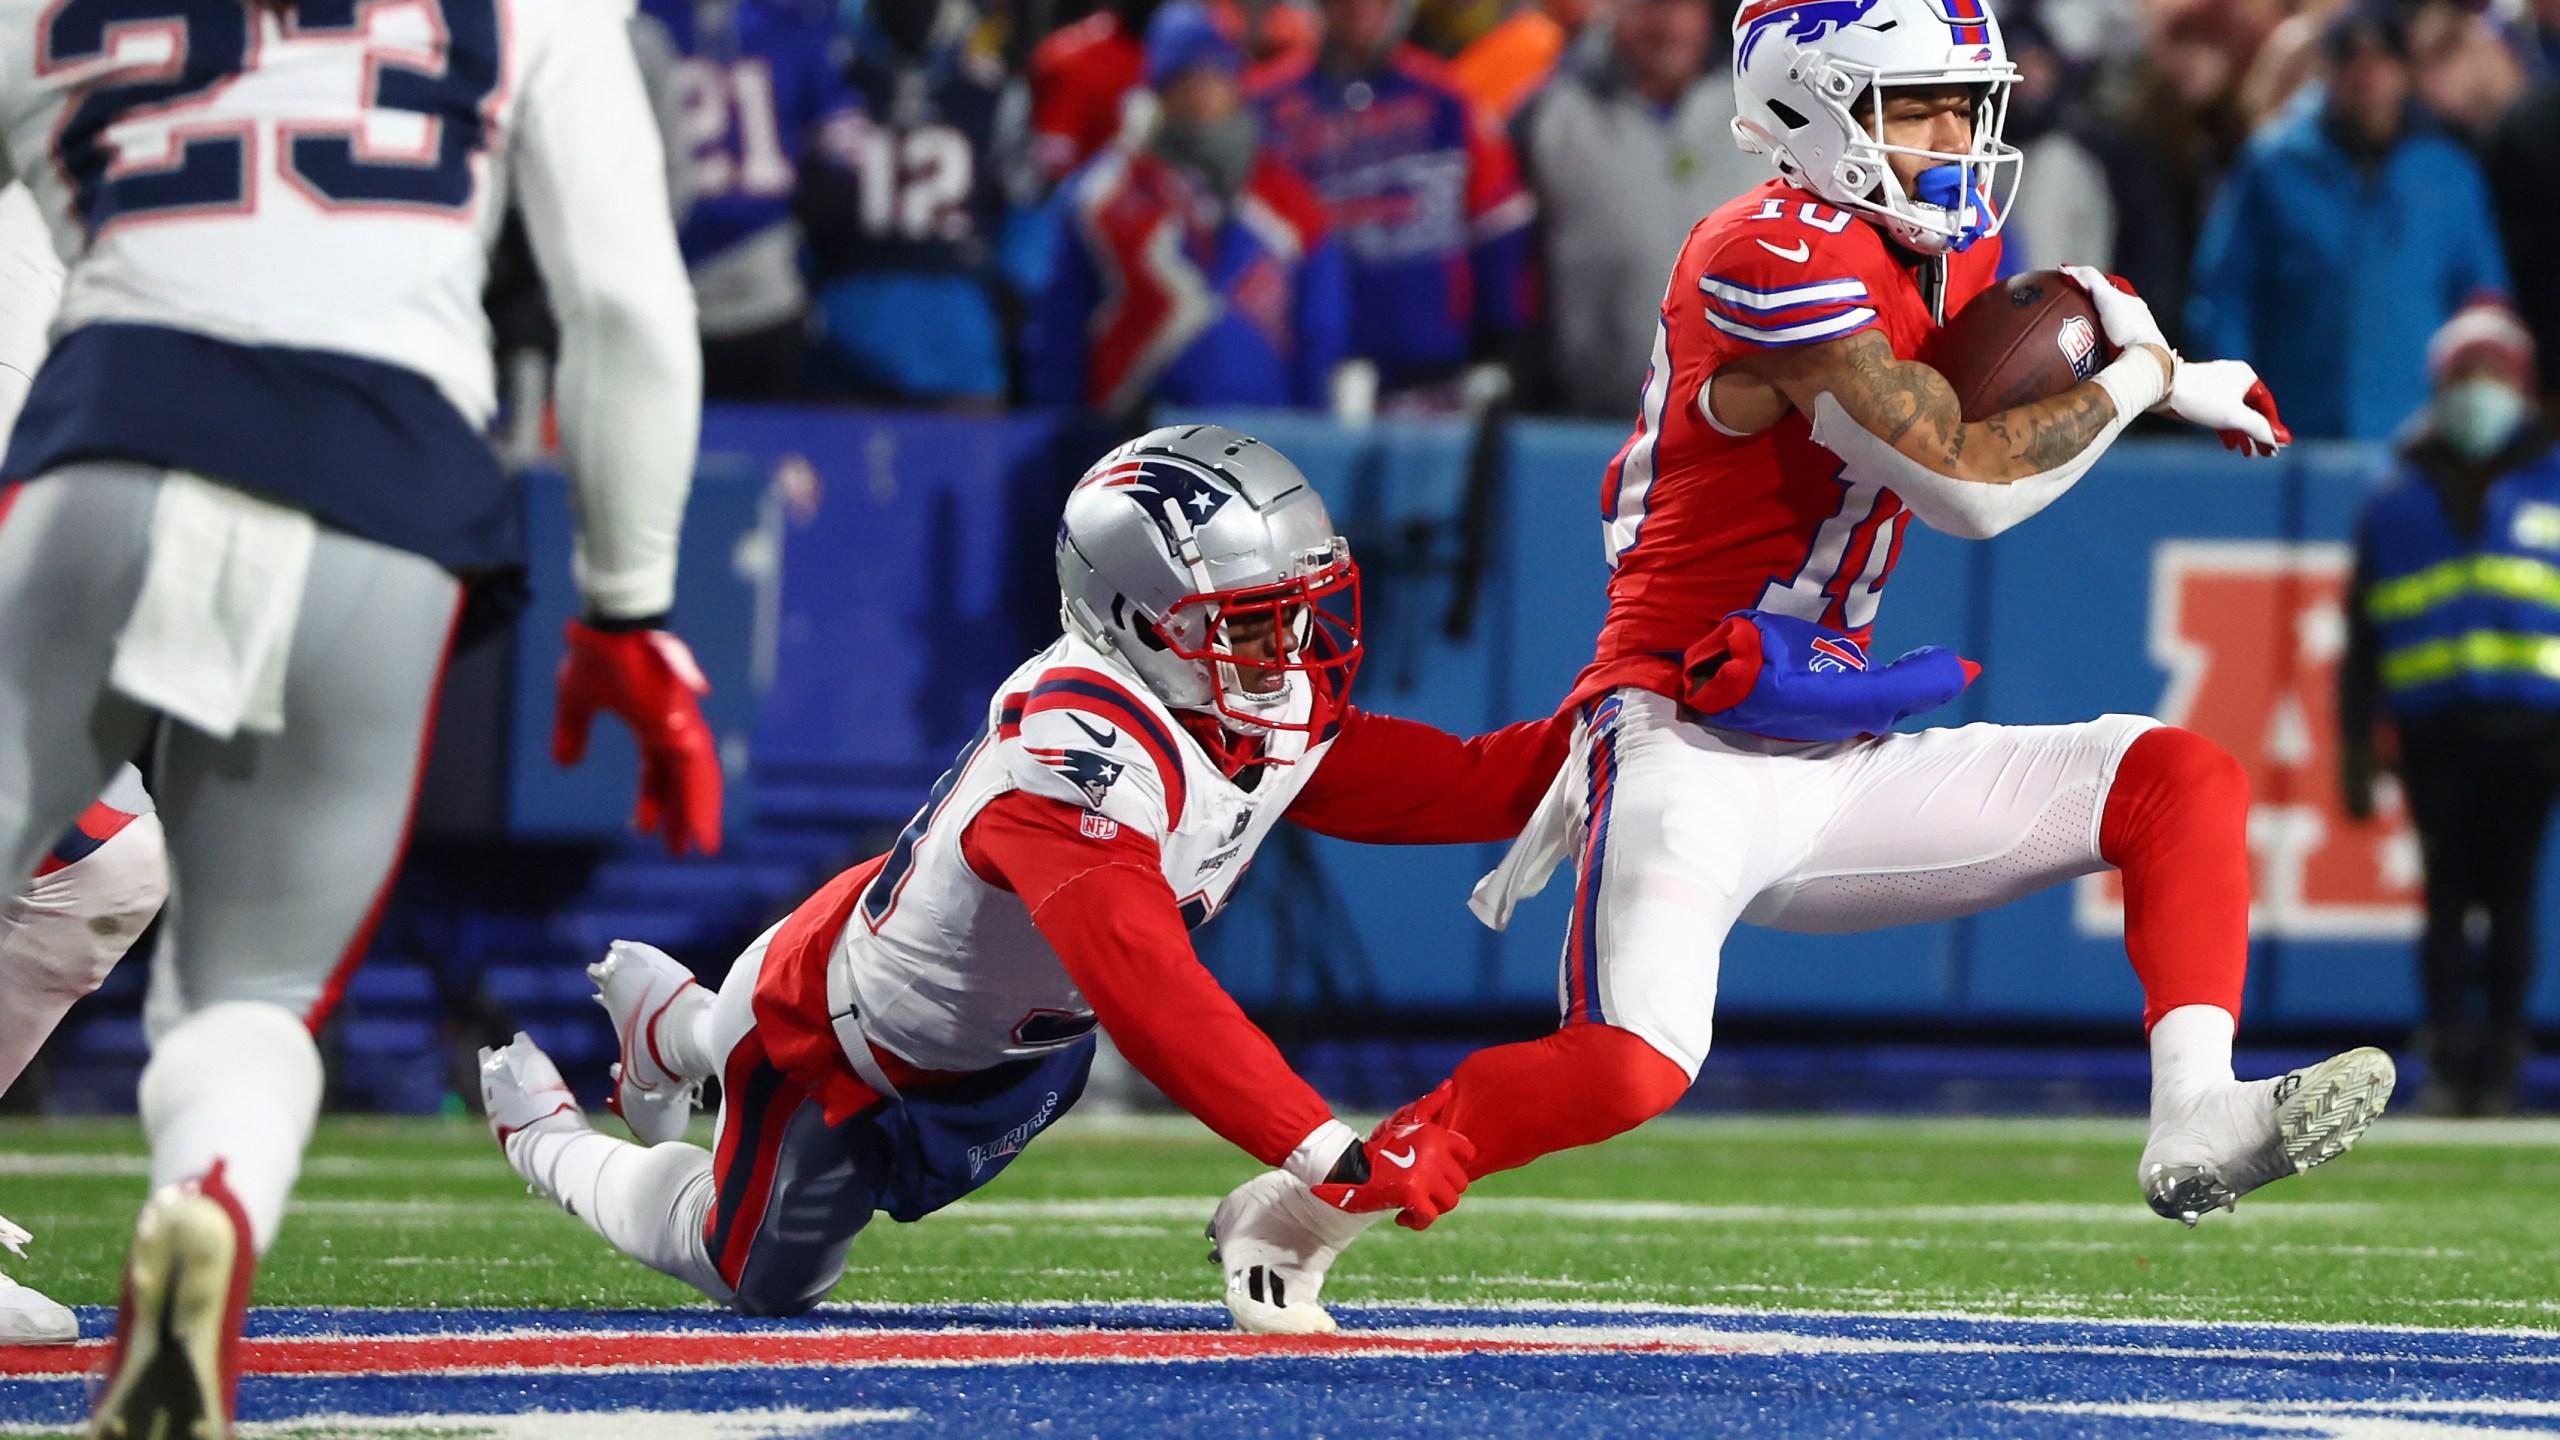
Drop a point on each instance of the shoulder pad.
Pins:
(1776, 272)
(1082, 736)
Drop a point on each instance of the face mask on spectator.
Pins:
(2477, 416)
(1220, 152)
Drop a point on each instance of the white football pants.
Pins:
(1682, 830)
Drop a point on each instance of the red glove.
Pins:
(1413, 1166)
(649, 679)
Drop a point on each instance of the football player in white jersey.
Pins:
(255, 490)
(898, 1038)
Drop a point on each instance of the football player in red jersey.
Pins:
(1789, 436)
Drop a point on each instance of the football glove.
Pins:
(1417, 1168)
(2228, 398)
(648, 678)
(1790, 679)
(2126, 318)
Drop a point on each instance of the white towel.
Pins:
(213, 627)
(1532, 858)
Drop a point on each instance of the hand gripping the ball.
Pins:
(1417, 1168)
(2127, 320)
(2228, 398)
(648, 678)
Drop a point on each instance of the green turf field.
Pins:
(2424, 1224)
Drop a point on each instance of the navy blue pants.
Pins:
(794, 1190)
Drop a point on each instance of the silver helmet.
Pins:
(1187, 541)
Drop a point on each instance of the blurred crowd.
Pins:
(1427, 204)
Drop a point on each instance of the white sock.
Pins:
(237, 1082)
(2190, 1050)
(650, 1202)
(684, 1034)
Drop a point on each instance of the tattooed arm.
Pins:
(1912, 408)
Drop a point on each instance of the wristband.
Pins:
(1313, 1161)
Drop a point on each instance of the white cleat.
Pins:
(27, 1317)
(2214, 1145)
(523, 1093)
(1276, 1240)
(638, 985)
(185, 1289)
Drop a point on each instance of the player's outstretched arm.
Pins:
(1099, 897)
(593, 187)
(1389, 781)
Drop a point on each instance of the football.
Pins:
(2029, 337)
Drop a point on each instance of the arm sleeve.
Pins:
(1103, 905)
(1391, 781)
(629, 390)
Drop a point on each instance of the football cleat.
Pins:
(2209, 1148)
(176, 1368)
(1275, 1240)
(638, 985)
(522, 1092)
(27, 1317)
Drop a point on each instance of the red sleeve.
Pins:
(1104, 906)
(1401, 782)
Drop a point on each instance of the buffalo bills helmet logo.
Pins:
(1177, 500)
(1835, 655)
(1803, 21)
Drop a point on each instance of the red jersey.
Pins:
(1701, 523)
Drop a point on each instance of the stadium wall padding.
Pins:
(856, 582)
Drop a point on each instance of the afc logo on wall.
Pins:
(2250, 634)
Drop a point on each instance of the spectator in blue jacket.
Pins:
(1200, 270)
(2454, 637)
(2348, 232)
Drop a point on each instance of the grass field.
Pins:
(2427, 1224)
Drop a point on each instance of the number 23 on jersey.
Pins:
(149, 138)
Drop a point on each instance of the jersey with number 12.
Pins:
(1701, 522)
(326, 175)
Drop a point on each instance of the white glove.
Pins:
(2127, 320)
(2227, 397)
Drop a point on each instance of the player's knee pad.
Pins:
(69, 926)
(2171, 777)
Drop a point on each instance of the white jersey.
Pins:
(30, 292)
(327, 176)
(947, 971)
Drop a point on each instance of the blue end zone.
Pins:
(1572, 1371)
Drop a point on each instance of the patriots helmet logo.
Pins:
(1803, 21)
(1093, 774)
(1176, 498)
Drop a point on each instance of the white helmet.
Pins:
(1800, 67)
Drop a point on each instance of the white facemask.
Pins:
(2478, 416)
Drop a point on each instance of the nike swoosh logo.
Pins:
(1105, 737)
(1401, 1162)
(1800, 254)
